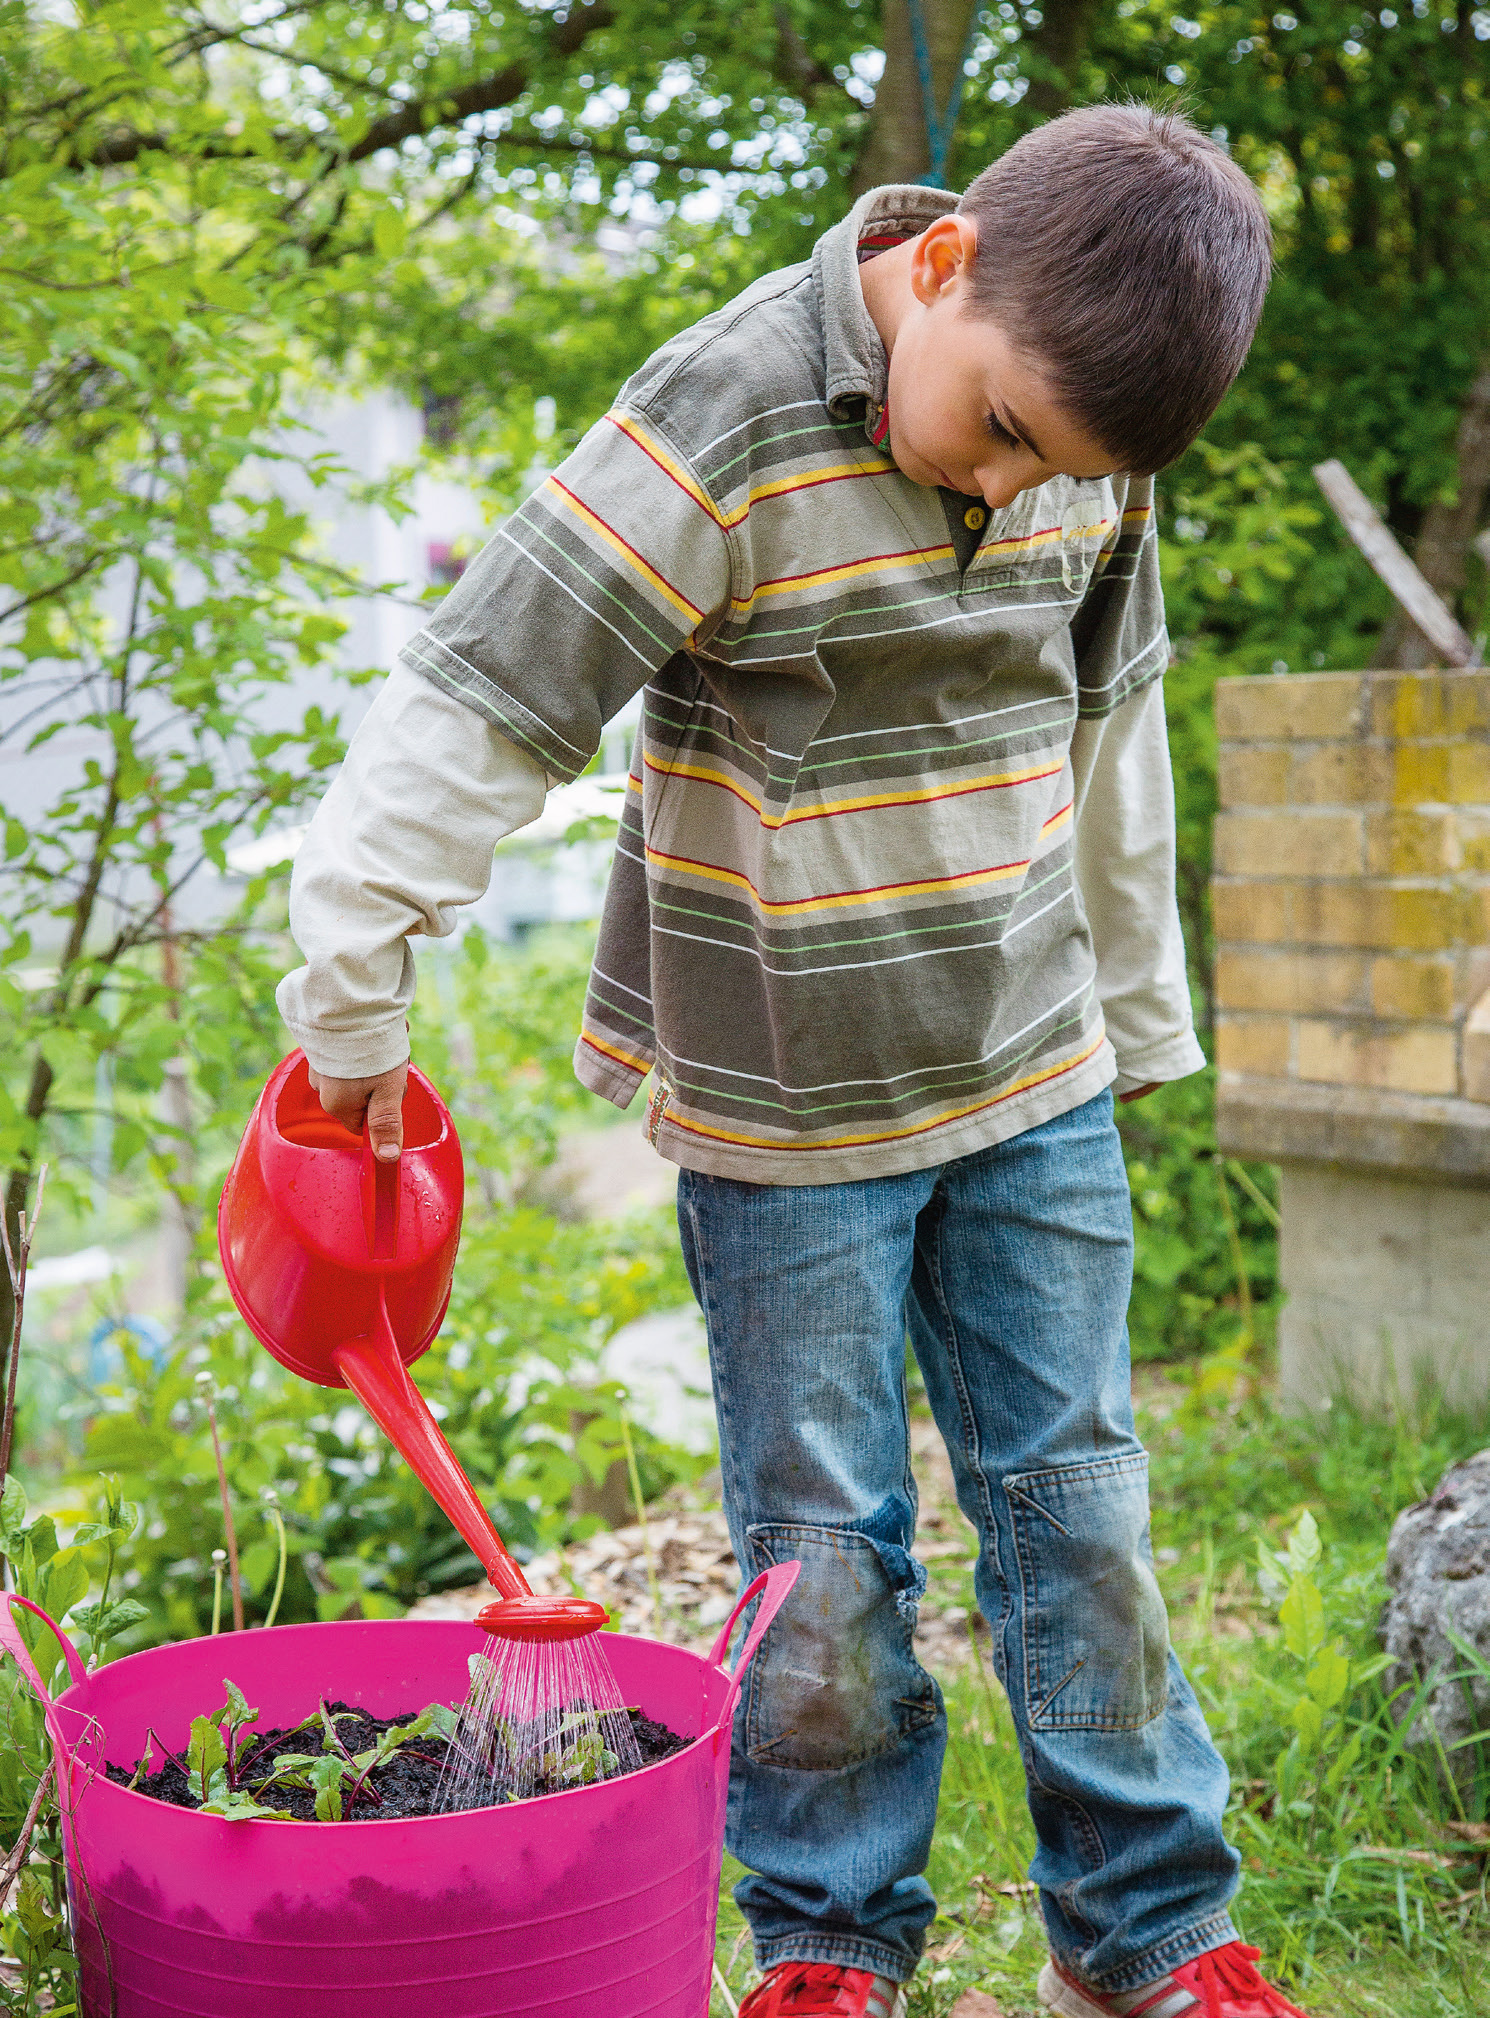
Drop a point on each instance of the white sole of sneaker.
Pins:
(1057, 1995)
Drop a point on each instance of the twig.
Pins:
(641, 1513)
(1257, 1195)
(205, 1386)
(1421, 601)
(724, 1990)
(17, 1262)
(22, 1848)
(219, 1556)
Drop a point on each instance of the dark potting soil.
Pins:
(403, 1786)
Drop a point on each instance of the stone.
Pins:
(1438, 1568)
(977, 2004)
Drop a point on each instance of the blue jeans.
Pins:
(1011, 1269)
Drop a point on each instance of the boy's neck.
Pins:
(886, 283)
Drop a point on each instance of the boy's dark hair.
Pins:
(1126, 255)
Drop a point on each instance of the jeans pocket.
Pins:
(1096, 1638)
(836, 1681)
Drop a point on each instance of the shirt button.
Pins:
(974, 518)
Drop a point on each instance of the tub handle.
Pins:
(12, 1644)
(772, 1587)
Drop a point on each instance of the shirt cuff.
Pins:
(1171, 1058)
(362, 1053)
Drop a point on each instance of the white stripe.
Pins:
(900, 630)
(1137, 656)
(863, 735)
(533, 561)
(845, 1085)
(792, 406)
(596, 968)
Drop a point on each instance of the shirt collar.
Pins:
(857, 367)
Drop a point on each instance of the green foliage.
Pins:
(1187, 1288)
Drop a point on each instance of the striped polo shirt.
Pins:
(843, 926)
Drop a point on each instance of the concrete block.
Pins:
(1248, 776)
(1255, 1044)
(1341, 774)
(1280, 1120)
(1475, 1052)
(1415, 988)
(1279, 707)
(1290, 981)
(1409, 1060)
(1311, 844)
(1411, 843)
(1385, 1284)
(1260, 912)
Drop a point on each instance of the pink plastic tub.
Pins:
(598, 1903)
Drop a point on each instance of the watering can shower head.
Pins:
(341, 1266)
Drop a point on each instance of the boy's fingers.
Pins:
(376, 1104)
(385, 1117)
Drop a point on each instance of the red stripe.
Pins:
(620, 540)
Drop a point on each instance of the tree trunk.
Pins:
(1060, 43)
(1442, 549)
(898, 149)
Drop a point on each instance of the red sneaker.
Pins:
(823, 1990)
(1221, 1984)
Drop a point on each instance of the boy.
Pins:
(892, 909)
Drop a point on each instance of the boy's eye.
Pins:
(1000, 433)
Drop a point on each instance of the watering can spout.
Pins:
(374, 1370)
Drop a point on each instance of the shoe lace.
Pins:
(804, 1990)
(1232, 1969)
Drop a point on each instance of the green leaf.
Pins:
(12, 1512)
(206, 1754)
(1308, 1720)
(1301, 1616)
(1304, 1546)
(1328, 1677)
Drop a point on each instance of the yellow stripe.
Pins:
(891, 1134)
(622, 1057)
(969, 880)
(867, 803)
(628, 554)
(674, 468)
(781, 486)
(843, 573)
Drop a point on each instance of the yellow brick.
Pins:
(1403, 1061)
(1252, 777)
(1420, 774)
(1411, 843)
(1309, 844)
(1469, 774)
(1409, 704)
(1369, 914)
(1474, 840)
(1253, 1044)
(1290, 981)
(1469, 702)
(1288, 706)
(1335, 774)
(1257, 913)
(1475, 916)
(1414, 989)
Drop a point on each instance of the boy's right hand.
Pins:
(375, 1103)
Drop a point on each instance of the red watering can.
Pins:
(341, 1265)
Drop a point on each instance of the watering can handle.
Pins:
(772, 1587)
(12, 1644)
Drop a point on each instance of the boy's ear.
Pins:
(943, 256)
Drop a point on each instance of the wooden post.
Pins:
(1363, 522)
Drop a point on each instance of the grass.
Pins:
(1365, 1902)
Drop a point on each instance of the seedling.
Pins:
(214, 1764)
(336, 1776)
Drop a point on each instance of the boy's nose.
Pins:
(999, 485)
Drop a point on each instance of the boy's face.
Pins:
(968, 411)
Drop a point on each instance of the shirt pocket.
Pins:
(1095, 1634)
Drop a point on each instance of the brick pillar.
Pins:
(1352, 920)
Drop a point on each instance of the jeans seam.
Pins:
(846, 1952)
(1172, 1952)
(971, 1442)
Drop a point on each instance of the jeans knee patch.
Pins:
(836, 1681)
(1096, 1638)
